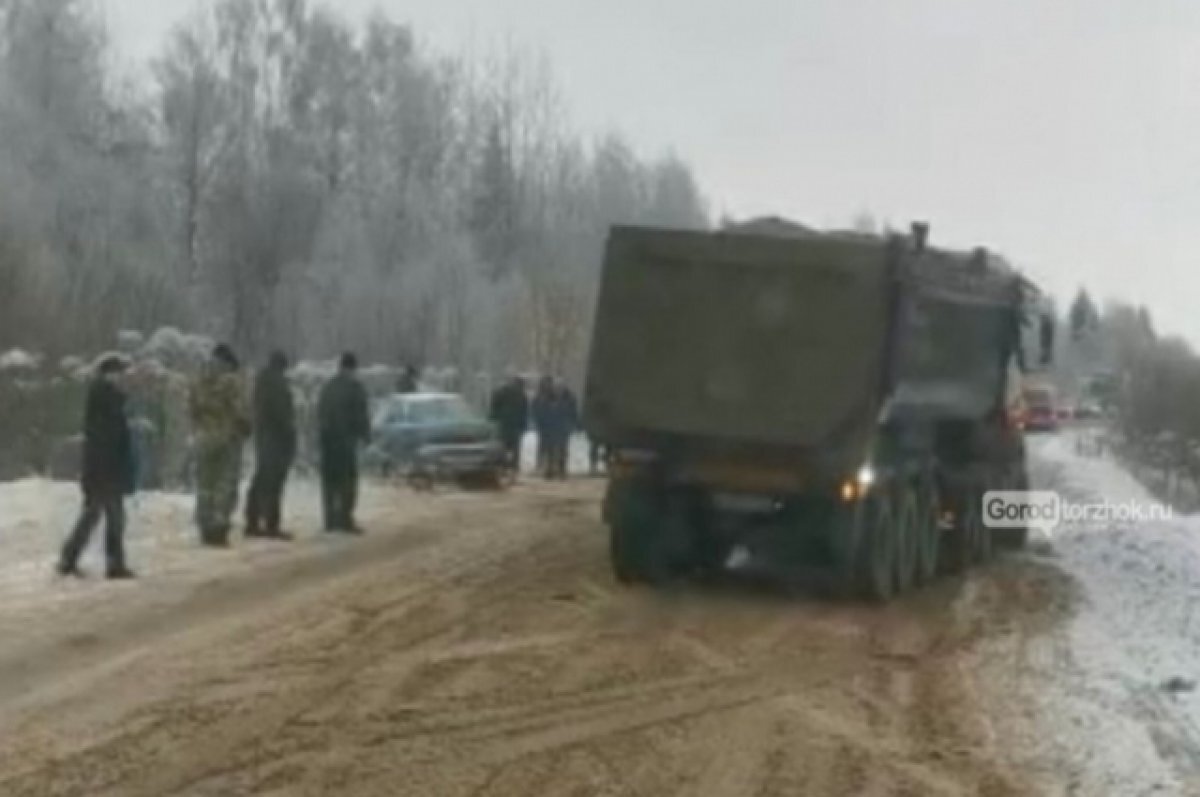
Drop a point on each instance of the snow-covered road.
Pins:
(1065, 670)
(161, 542)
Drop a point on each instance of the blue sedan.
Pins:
(437, 436)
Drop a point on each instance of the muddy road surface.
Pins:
(482, 648)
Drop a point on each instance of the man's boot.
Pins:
(68, 570)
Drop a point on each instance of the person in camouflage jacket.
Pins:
(220, 417)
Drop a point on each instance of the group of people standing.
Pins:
(223, 418)
(553, 413)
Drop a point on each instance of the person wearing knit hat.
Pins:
(220, 415)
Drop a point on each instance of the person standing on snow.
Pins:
(221, 423)
(510, 413)
(343, 425)
(541, 411)
(409, 381)
(274, 449)
(555, 418)
(564, 420)
(108, 473)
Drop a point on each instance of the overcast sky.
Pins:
(1065, 134)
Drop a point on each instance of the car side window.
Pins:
(440, 412)
(397, 413)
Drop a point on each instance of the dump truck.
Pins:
(831, 401)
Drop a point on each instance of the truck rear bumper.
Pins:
(732, 477)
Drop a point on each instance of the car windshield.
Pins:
(427, 410)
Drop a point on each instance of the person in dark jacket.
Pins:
(556, 417)
(510, 413)
(542, 412)
(409, 381)
(108, 473)
(564, 420)
(343, 425)
(274, 448)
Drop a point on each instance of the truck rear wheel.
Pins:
(876, 553)
(962, 541)
(928, 530)
(907, 538)
(709, 550)
(633, 512)
(620, 554)
(651, 531)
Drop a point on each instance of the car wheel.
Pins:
(420, 479)
(504, 477)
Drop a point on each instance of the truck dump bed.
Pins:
(749, 339)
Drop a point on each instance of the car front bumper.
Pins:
(459, 460)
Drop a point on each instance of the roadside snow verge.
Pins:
(1136, 637)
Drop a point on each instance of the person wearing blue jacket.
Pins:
(540, 412)
(556, 414)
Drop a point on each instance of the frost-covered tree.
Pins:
(1084, 317)
(292, 179)
(83, 232)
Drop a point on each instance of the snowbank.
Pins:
(1137, 636)
(1144, 579)
(18, 359)
(176, 349)
(37, 606)
(37, 514)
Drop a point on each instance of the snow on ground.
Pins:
(577, 459)
(161, 545)
(1143, 578)
(161, 541)
(1091, 707)
(1135, 635)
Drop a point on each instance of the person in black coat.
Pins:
(274, 449)
(556, 417)
(510, 413)
(108, 473)
(542, 412)
(409, 381)
(344, 425)
(564, 423)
